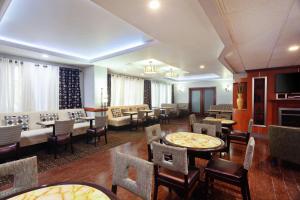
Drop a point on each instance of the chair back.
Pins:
(218, 124)
(153, 133)
(178, 161)
(250, 125)
(10, 135)
(100, 121)
(157, 112)
(223, 116)
(25, 175)
(249, 154)
(204, 129)
(142, 186)
(192, 119)
(141, 115)
(63, 127)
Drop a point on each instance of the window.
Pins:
(126, 90)
(160, 93)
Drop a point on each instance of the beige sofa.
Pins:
(124, 120)
(284, 143)
(36, 134)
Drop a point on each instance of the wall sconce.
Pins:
(227, 88)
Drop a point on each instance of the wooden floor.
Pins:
(266, 181)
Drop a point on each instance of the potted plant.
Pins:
(240, 101)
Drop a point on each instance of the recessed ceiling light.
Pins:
(294, 48)
(154, 4)
(45, 56)
(202, 66)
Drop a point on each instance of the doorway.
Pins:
(200, 99)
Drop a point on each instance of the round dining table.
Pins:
(66, 191)
(195, 143)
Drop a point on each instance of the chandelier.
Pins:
(150, 69)
(171, 74)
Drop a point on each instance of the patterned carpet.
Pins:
(81, 149)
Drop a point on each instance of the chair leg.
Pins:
(71, 144)
(248, 189)
(87, 138)
(95, 141)
(155, 191)
(244, 191)
(55, 149)
(105, 136)
(114, 189)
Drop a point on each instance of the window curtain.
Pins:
(147, 93)
(108, 89)
(25, 86)
(126, 90)
(160, 93)
(69, 88)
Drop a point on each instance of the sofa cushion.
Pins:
(119, 121)
(48, 117)
(22, 120)
(35, 136)
(116, 112)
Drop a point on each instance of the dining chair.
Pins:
(165, 116)
(62, 135)
(142, 185)
(99, 130)
(24, 172)
(230, 172)
(153, 133)
(241, 136)
(207, 129)
(223, 116)
(10, 137)
(192, 120)
(173, 173)
(141, 119)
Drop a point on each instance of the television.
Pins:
(288, 83)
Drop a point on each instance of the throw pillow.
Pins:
(76, 116)
(22, 120)
(116, 112)
(48, 117)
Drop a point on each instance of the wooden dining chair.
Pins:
(142, 185)
(230, 172)
(62, 135)
(25, 175)
(10, 137)
(153, 133)
(173, 173)
(241, 136)
(99, 130)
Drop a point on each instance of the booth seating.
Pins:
(33, 133)
(117, 117)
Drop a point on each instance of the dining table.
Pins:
(90, 119)
(131, 113)
(195, 143)
(225, 122)
(63, 191)
(147, 111)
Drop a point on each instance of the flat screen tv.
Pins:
(288, 83)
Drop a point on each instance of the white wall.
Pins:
(181, 90)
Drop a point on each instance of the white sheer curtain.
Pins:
(27, 87)
(126, 90)
(160, 93)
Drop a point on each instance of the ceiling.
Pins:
(227, 36)
(256, 33)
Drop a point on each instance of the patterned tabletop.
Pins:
(223, 121)
(193, 140)
(63, 192)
